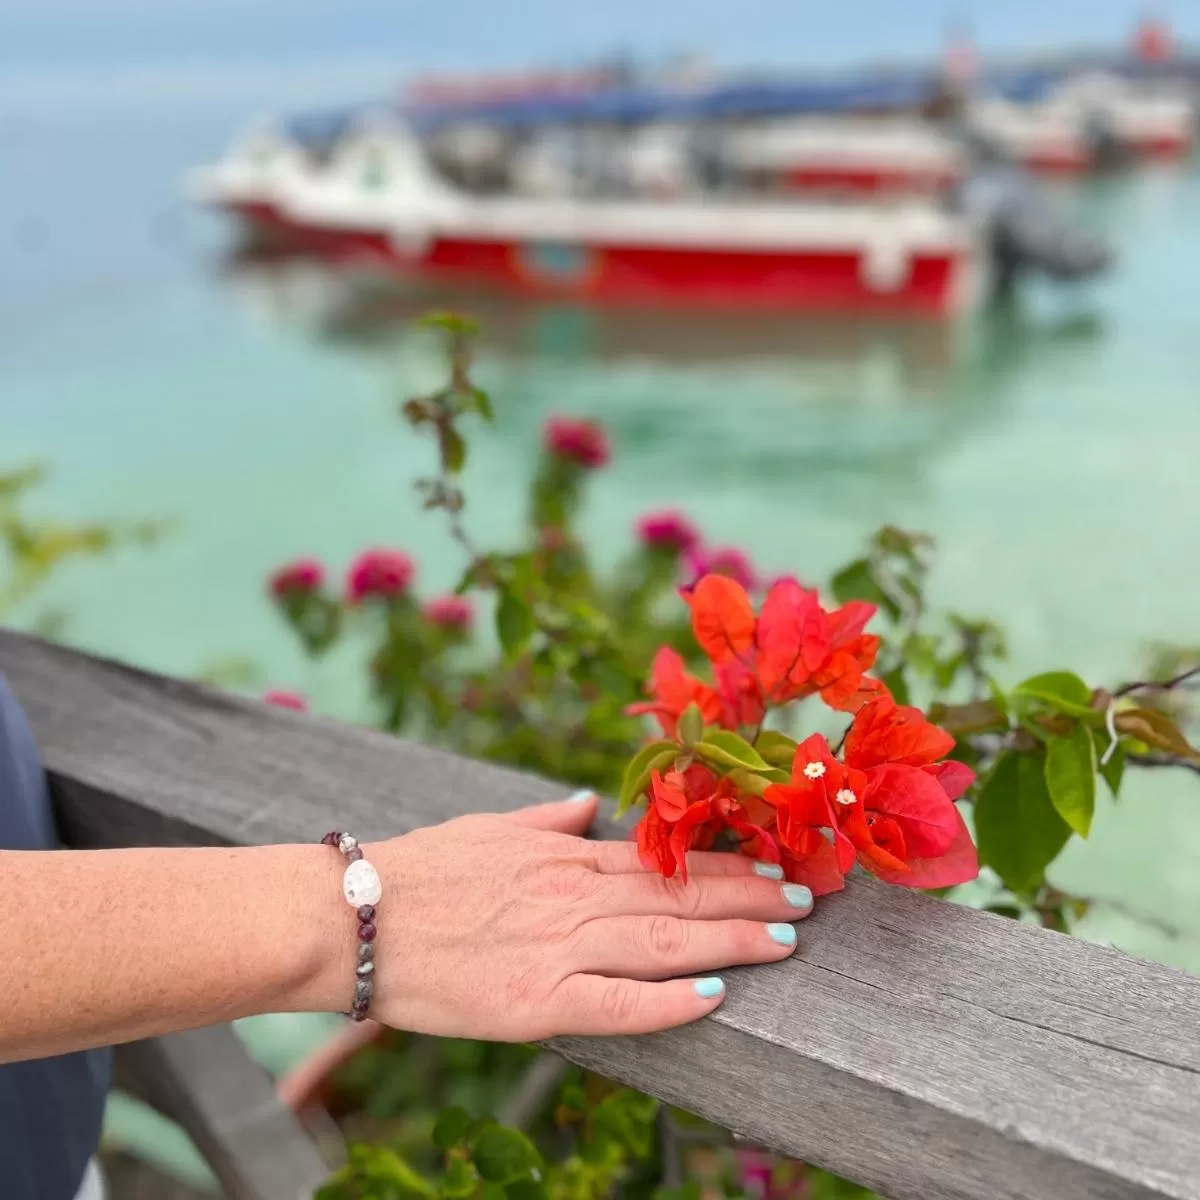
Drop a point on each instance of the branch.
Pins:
(1157, 758)
(1154, 685)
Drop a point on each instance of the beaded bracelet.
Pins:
(363, 890)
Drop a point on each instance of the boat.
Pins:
(375, 204)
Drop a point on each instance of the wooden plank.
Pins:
(206, 1081)
(925, 1050)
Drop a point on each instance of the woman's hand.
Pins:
(514, 928)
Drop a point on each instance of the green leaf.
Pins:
(453, 448)
(451, 1128)
(1113, 770)
(730, 750)
(657, 756)
(514, 623)
(1062, 691)
(1017, 827)
(1071, 778)
(856, 581)
(460, 1179)
(482, 404)
(526, 1189)
(379, 1164)
(691, 725)
(504, 1155)
(776, 748)
(897, 684)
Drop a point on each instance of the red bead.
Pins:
(331, 839)
(358, 1014)
(367, 912)
(367, 931)
(354, 855)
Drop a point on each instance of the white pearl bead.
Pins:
(347, 842)
(361, 885)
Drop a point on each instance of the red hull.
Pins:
(803, 280)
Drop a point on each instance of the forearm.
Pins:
(107, 946)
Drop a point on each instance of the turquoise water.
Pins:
(1050, 448)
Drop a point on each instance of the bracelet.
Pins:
(363, 890)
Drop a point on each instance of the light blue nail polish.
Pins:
(708, 988)
(797, 895)
(768, 870)
(580, 796)
(782, 933)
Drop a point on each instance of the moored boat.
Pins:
(377, 204)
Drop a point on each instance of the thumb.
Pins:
(572, 815)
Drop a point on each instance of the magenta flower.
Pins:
(284, 699)
(668, 530)
(376, 572)
(579, 441)
(304, 575)
(723, 560)
(450, 612)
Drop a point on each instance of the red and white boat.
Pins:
(1068, 131)
(377, 204)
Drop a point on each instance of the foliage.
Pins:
(32, 549)
(560, 687)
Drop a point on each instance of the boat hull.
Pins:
(933, 284)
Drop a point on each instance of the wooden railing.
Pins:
(923, 1049)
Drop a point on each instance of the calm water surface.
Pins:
(1050, 448)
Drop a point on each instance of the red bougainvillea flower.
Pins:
(904, 824)
(801, 648)
(723, 560)
(301, 576)
(449, 612)
(385, 573)
(578, 441)
(668, 530)
(674, 688)
(814, 849)
(686, 811)
(285, 699)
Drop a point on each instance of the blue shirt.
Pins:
(51, 1108)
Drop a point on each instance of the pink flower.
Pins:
(579, 441)
(304, 575)
(284, 699)
(384, 573)
(450, 612)
(668, 530)
(723, 560)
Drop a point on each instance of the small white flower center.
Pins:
(845, 796)
(814, 770)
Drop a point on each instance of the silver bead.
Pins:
(347, 842)
(364, 989)
(365, 970)
(366, 951)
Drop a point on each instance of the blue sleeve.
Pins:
(50, 1109)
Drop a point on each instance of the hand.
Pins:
(515, 928)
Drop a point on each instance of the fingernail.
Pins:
(782, 933)
(710, 987)
(579, 797)
(797, 895)
(768, 870)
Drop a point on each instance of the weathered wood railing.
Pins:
(920, 1048)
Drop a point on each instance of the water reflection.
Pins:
(817, 406)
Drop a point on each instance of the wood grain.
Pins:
(925, 1050)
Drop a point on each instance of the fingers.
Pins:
(664, 947)
(703, 898)
(572, 815)
(595, 1006)
(621, 858)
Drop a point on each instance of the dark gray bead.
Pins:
(364, 989)
(365, 970)
(366, 951)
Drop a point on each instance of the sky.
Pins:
(82, 52)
